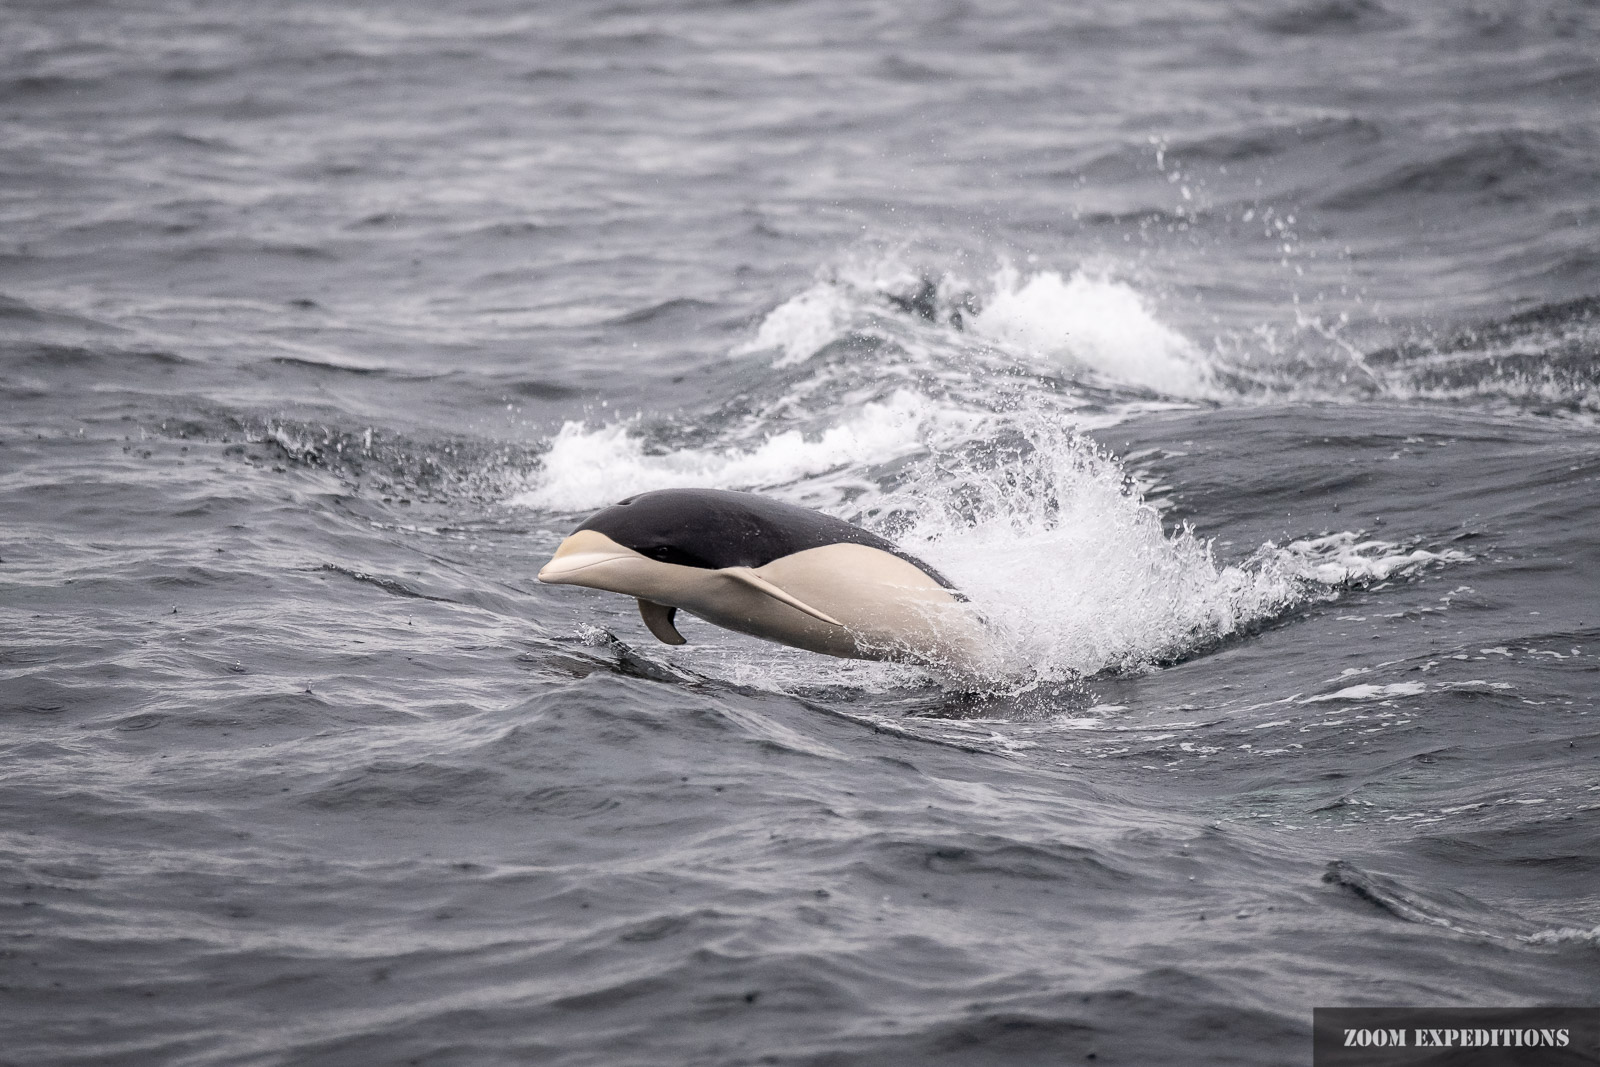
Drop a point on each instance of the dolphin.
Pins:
(772, 570)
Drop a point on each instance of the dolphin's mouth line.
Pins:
(564, 571)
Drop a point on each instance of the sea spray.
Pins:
(1048, 535)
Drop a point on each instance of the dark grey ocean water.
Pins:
(1241, 360)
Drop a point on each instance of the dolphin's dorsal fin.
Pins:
(760, 584)
(659, 618)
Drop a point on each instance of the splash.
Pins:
(1078, 575)
(1098, 323)
(1073, 568)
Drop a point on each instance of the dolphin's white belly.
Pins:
(887, 608)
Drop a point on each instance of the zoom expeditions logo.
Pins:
(1358, 1037)
(1457, 1037)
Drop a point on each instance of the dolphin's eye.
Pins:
(672, 554)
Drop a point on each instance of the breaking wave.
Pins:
(1094, 322)
(1102, 332)
(589, 468)
(1080, 322)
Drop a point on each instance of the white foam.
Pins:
(1371, 692)
(1097, 322)
(804, 324)
(590, 468)
(1072, 567)
(1077, 573)
(1477, 685)
(845, 296)
(1083, 320)
(1564, 935)
(1345, 558)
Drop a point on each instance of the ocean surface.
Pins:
(1241, 361)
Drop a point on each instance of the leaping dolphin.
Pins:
(771, 570)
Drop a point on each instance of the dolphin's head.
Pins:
(591, 558)
(625, 544)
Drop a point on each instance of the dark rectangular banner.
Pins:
(1455, 1037)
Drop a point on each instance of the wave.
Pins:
(589, 468)
(877, 363)
(1322, 17)
(1545, 359)
(1258, 141)
(1095, 340)
(1499, 167)
(1081, 321)
(1095, 322)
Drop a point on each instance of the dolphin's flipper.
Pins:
(659, 618)
(760, 584)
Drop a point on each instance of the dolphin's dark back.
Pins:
(717, 528)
